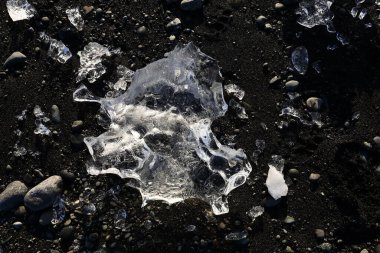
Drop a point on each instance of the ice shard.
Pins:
(300, 59)
(20, 9)
(159, 132)
(57, 50)
(91, 66)
(75, 18)
(316, 12)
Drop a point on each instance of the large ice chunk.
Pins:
(159, 132)
(57, 50)
(91, 66)
(316, 12)
(20, 9)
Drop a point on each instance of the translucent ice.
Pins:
(234, 90)
(236, 236)
(255, 212)
(20, 9)
(91, 66)
(342, 39)
(75, 18)
(159, 132)
(316, 12)
(57, 50)
(300, 59)
(58, 211)
(275, 182)
(41, 119)
(125, 76)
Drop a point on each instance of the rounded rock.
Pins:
(314, 103)
(55, 114)
(319, 233)
(291, 85)
(376, 140)
(261, 20)
(191, 5)
(289, 220)
(314, 177)
(279, 6)
(44, 194)
(293, 173)
(77, 125)
(15, 59)
(141, 30)
(12, 196)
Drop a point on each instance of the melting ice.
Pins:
(91, 66)
(275, 182)
(57, 50)
(75, 18)
(20, 9)
(316, 12)
(159, 132)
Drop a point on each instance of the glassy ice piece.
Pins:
(315, 12)
(239, 109)
(91, 66)
(317, 66)
(316, 118)
(20, 9)
(125, 76)
(159, 132)
(41, 129)
(255, 212)
(236, 236)
(342, 39)
(22, 116)
(358, 2)
(363, 13)
(190, 228)
(275, 182)
(354, 11)
(19, 151)
(75, 18)
(120, 217)
(236, 91)
(300, 59)
(58, 211)
(58, 51)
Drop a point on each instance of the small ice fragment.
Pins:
(315, 12)
(316, 118)
(37, 111)
(275, 182)
(332, 47)
(41, 129)
(255, 212)
(234, 90)
(354, 11)
(190, 228)
(20, 9)
(120, 217)
(260, 146)
(300, 59)
(291, 111)
(58, 51)
(91, 66)
(75, 18)
(358, 2)
(58, 211)
(239, 109)
(19, 151)
(342, 39)
(355, 116)
(125, 76)
(22, 116)
(363, 13)
(317, 66)
(368, 25)
(236, 236)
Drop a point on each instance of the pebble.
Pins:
(314, 177)
(174, 24)
(191, 5)
(55, 114)
(87, 9)
(319, 233)
(44, 194)
(291, 85)
(288, 249)
(45, 20)
(67, 176)
(377, 249)
(141, 30)
(67, 234)
(325, 247)
(12, 196)
(289, 220)
(17, 224)
(77, 126)
(20, 211)
(314, 103)
(376, 140)
(279, 6)
(364, 251)
(261, 20)
(16, 58)
(274, 80)
(293, 173)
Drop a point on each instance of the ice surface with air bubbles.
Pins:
(20, 9)
(159, 132)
